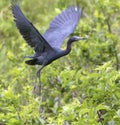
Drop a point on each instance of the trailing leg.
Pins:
(37, 88)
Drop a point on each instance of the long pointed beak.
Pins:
(83, 38)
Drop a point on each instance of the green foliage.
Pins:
(82, 88)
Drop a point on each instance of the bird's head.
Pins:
(76, 38)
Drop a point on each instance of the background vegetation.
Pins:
(82, 88)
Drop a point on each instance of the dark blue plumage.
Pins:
(48, 46)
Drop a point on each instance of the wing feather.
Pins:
(28, 31)
(62, 26)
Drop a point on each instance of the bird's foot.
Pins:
(37, 89)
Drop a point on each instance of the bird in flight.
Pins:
(47, 47)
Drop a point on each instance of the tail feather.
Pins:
(31, 62)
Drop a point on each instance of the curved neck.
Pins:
(68, 48)
(63, 52)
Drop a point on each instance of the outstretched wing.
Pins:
(29, 32)
(62, 26)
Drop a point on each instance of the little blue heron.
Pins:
(47, 47)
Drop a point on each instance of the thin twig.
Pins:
(114, 44)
